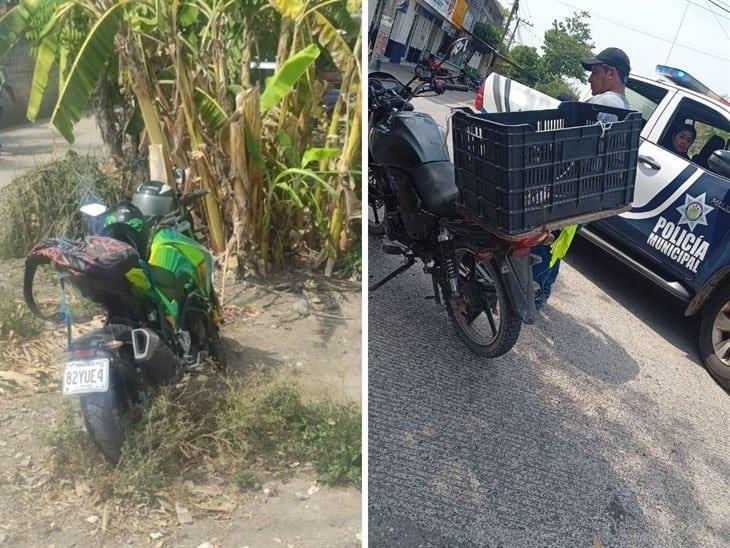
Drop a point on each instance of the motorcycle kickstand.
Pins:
(410, 261)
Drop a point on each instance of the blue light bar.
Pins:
(687, 81)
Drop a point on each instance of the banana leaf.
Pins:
(318, 154)
(341, 17)
(84, 74)
(209, 110)
(45, 58)
(187, 15)
(14, 23)
(281, 84)
(332, 41)
(289, 8)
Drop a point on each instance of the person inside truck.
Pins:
(713, 143)
(680, 139)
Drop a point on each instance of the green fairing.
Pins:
(181, 256)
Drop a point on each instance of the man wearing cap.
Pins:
(609, 74)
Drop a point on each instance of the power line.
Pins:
(723, 8)
(722, 28)
(710, 10)
(649, 33)
(686, 8)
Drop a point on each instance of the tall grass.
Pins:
(245, 428)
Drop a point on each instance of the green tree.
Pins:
(564, 44)
(557, 86)
(489, 34)
(527, 58)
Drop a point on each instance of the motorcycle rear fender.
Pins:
(516, 272)
(121, 368)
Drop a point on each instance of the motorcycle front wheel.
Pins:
(422, 73)
(482, 314)
(376, 203)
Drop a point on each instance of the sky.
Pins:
(645, 29)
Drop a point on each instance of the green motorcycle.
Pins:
(144, 266)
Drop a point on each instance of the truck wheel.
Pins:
(715, 336)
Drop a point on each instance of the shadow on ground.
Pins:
(552, 444)
(653, 306)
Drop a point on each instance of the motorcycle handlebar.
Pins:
(192, 196)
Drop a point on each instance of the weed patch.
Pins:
(16, 320)
(243, 427)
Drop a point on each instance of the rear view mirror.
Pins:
(719, 162)
(456, 51)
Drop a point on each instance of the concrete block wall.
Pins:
(18, 65)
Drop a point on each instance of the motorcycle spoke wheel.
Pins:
(483, 314)
(478, 316)
(376, 206)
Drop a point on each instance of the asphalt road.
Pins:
(600, 428)
(29, 145)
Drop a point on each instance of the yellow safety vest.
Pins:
(559, 247)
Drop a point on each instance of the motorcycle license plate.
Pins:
(86, 376)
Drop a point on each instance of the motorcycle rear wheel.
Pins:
(483, 314)
(103, 415)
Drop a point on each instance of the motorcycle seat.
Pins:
(436, 185)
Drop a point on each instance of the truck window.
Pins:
(712, 127)
(644, 97)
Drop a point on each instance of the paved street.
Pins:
(600, 428)
(30, 145)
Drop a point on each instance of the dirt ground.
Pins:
(311, 325)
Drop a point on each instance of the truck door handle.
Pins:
(651, 162)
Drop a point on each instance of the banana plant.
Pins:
(275, 164)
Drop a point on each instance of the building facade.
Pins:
(418, 28)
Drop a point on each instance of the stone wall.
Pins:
(18, 66)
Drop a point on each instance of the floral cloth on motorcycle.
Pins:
(98, 258)
(95, 256)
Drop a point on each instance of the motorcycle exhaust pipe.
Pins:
(155, 357)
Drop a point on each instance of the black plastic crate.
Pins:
(521, 170)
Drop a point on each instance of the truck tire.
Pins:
(715, 336)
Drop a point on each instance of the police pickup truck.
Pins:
(677, 233)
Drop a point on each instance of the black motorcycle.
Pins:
(484, 281)
(482, 275)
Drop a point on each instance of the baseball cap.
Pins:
(613, 57)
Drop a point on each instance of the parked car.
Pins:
(677, 233)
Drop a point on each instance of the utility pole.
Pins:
(520, 21)
(493, 57)
(515, 7)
